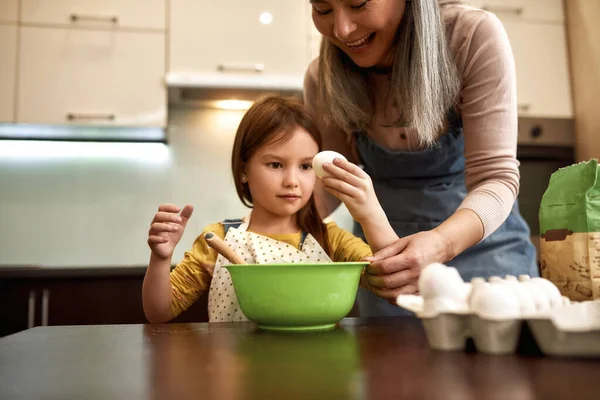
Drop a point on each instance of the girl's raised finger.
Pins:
(153, 239)
(159, 227)
(162, 216)
(167, 207)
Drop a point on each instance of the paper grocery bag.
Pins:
(570, 231)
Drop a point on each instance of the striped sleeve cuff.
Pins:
(492, 202)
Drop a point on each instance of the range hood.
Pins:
(213, 90)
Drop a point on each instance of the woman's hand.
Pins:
(167, 229)
(395, 269)
(354, 188)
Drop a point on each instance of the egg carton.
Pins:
(572, 331)
(495, 313)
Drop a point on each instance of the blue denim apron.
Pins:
(419, 190)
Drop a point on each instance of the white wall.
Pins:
(78, 209)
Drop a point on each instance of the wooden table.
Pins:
(381, 358)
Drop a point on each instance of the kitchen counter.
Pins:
(376, 358)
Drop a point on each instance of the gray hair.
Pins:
(424, 82)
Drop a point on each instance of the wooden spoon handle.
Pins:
(222, 248)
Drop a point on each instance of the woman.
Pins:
(422, 93)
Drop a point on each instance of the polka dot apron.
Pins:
(223, 305)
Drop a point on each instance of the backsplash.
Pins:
(74, 210)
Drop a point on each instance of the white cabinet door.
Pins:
(207, 36)
(534, 10)
(9, 11)
(543, 81)
(8, 62)
(149, 14)
(91, 77)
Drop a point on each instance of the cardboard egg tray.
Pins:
(572, 330)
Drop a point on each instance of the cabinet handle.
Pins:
(241, 68)
(523, 106)
(500, 9)
(88, 117)
(45, 303)
(537, 131)
(99, 18)
(31, 310)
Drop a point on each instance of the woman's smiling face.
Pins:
(363, 29)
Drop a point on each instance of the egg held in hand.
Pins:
(323, 157)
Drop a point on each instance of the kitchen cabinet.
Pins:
(95, 296)
(18, 298)
(523, 10)
(141, 14)
(98, 63)
(101, 301)
(537, 35)
(541, 61)
(226, 37)
(8, 64)
(9, 11)
(89, 76)
(584, 53)
(91, 301)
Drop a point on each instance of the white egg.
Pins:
(551, 291)
(476, 287)
(468, 290)
(440, 280)
(477, 280)
(495, 301)
(323, 157)
(443, 289)
(540, 296)
(525, 298)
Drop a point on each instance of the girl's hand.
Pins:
(167, 228)
(395, 269)
(354, 188)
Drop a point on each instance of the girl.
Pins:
(271, 164)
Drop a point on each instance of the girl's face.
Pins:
(363, 29)
(280, 175)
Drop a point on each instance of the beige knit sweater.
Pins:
(487, 104)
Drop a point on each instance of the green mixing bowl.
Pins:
(296, 296)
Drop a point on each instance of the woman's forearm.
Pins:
(462, 230)
(157, 291)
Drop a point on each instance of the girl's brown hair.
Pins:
(269, 120)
